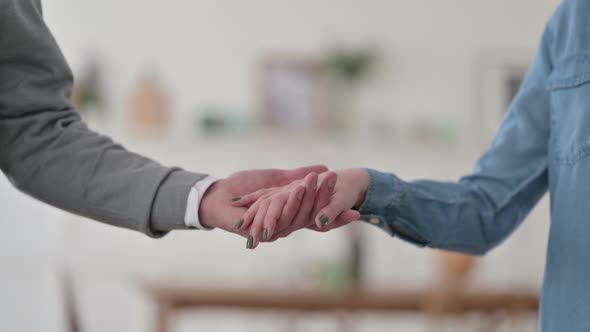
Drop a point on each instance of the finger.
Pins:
(334, 208)
(290, 209)
(273, 215)
(287, 176)
(345, 218)
(237, 214)
(311, 182)
(250, 198)
(248, 217)
(307, 202)
(257, 225)
(303, 215)
(324, 195)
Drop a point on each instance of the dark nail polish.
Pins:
(235, 199)
(324, 220)
(239, 224)
(250, 242)
(264, 234)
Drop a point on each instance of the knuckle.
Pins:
(249, 216)
(256, 194)
(289, 209)
(277, 200)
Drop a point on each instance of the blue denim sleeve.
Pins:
(482, 209)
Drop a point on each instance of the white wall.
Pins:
(207, 51)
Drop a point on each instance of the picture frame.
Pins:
(293, 92)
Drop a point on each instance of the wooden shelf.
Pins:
(171, 298)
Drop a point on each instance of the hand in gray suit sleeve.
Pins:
(49, 153)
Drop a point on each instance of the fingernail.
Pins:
(250, 242)
(324, 220)
(239, 224)
(264, 234)
(332, 184)
(235, 199)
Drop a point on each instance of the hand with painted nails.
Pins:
(329, 181)
(217, 209)
(272, 212)
(334, 208)
(349, 194)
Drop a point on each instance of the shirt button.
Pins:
(374, 221)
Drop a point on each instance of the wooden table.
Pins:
(172, 298)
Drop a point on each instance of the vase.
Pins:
(455, 269)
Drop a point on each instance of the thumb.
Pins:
(348, 216)
(288, 176)
(343, 219)
(330, 212)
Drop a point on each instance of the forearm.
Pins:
(54, 157)
(482, 209)
(455, 216)
(49, 153)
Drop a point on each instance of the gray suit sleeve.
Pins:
(48, 152)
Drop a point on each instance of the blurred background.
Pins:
(415, 87)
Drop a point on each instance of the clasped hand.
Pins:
(265, 205)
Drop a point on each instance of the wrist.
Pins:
(206, 207)
(355, 182)
(362, 182)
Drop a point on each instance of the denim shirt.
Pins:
(543, 144)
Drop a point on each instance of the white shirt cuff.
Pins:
(191, 217)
